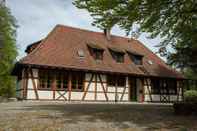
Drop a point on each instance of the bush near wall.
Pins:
(190, 96)
(189, 105)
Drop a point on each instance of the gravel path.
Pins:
(61, 116)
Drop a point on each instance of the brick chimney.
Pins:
(107, 33)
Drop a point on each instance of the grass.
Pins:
(60, 116)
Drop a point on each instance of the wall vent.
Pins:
(150, 62)
(81, 53)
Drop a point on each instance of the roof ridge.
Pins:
(91, 31)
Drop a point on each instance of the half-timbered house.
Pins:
(73, 64)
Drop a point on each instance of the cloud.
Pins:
(36, 18)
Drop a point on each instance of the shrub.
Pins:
(190, 96)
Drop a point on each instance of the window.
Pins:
(78, 81)
(62, 81)
(97, 54)
(163, 86)
(96, 51)
(118, 57)
(111, 81)
(116, 80)
(121, 81)
(172, 86)
(137, 59)
(155, 86)
(45, 79)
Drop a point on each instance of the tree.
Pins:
(175, 21)
(8, 51)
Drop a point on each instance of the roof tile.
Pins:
(60, 49)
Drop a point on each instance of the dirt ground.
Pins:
(75, 116)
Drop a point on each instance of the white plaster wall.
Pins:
(156, 98)
(45, 95)
(146, 90)
(89, 96)
(30, 91)
(126, 97)
(35, 74)
(111, 96)
(42, 94)
(31, 94)
(58, 96)
(100, 93)
(78, 95)
(101, 96)
(110, 89)
(173, 97)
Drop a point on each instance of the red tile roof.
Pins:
(60, 49)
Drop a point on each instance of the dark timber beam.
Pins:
(61, 95)
(116, 89)
(87, 88)
(69, 85)
(54, 86)
(34, 83)
(95, 96)
(149, 91)
(143, 84)
(105, 93)
(24, 83)
(121, 99)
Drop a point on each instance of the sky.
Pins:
(36, 18)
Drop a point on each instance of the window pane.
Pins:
(172, 87)
(65, 84)
(65, 81)
(121, 80)
(42, 83)
(48, 82)
(62, 80)
(98, 55)
(45, 79)
(118, 57)
(111, 80)
(74, 81)
(77, 80)
(136, 59)
(155, 86)
(58, 82)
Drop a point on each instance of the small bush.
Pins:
(190, 96)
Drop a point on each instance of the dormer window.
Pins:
(96, 51)
(119, 57)
(117, 54)
(97, 54)
(136, 58)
